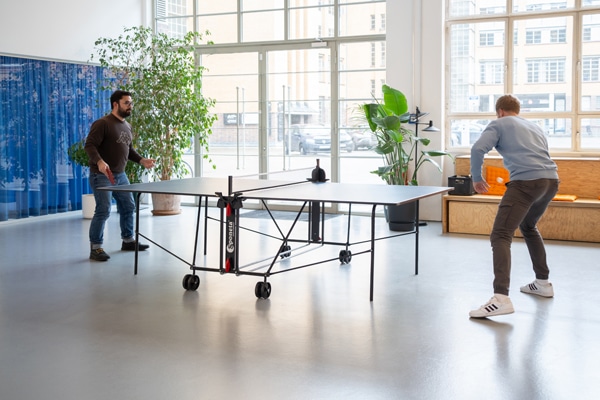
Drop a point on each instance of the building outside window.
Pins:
(552, 64)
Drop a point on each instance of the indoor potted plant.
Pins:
(78, 156)
(399, 148)
(170, 111)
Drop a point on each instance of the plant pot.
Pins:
(166, 204)
(88, 206)
(401, 218)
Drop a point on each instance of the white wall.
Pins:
(415, 65)
(65, 30)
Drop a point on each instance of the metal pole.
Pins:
(284, 138)
(289, 123)
(243, 128)
(237, 123)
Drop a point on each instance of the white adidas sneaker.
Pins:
(492, 308)
(537, 288)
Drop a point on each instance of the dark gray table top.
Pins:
(262, 189)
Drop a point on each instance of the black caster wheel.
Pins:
(286, 251)
(345, 256)
(191, 282)
(262, 290)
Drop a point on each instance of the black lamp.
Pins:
(416, 120)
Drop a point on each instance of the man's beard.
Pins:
(124, 113)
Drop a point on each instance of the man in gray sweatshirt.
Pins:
(533, 183)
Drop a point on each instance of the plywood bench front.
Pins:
(577, 220)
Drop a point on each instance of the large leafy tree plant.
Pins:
(165, 80)
(397, 144)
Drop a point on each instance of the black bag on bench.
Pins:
(463, 185)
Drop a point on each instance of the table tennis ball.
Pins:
(499, 180)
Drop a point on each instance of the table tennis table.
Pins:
(232, 192)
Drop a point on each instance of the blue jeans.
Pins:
(521, 207)
(125, 207)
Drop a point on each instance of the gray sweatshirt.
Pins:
(522, 145)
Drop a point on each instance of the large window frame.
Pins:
(546, 56)
(312, 24)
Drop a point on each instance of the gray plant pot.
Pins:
(401, 218)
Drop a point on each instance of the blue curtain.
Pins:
(45, 107)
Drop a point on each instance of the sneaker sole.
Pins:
(537, 294)
(492, 314)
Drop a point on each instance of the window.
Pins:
(491, 72)
(533, 36)
(589, 69)
(545, 70)
(373, 54)
(486, 39)
(276, 39)
(554, 67)
(491, 10)
(558, 35)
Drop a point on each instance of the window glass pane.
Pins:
(220, 6)
(476, 66)
(262, 26)
(359, 1)
(465, 132)
(308, 3)
(459, 8)
(222, 28)
(353, 19)
(541, 5)
(299, 98)
(232, 79)
(590, 64)
(254, 5)
(175, 27)
(173, 8)
(543, 64)
(360, 81)
(590, 133)
(311, 23)
(558, 132)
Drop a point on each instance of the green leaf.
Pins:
(394, 100)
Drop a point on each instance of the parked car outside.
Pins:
(312, 138)
(346, 142)
(362, 138)
(308, 139)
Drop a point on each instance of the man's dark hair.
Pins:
(118, 95)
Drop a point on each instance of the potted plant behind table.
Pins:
(399, 148)
(165, 81)
(79, 156)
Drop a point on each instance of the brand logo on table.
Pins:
(230, 245)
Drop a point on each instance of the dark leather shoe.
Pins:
(131, 246)
(99, 255)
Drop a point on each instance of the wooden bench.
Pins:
(578, 220)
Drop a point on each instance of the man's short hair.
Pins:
(117, 96)
(509, 103)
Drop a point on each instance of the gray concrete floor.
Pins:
(75, 329)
